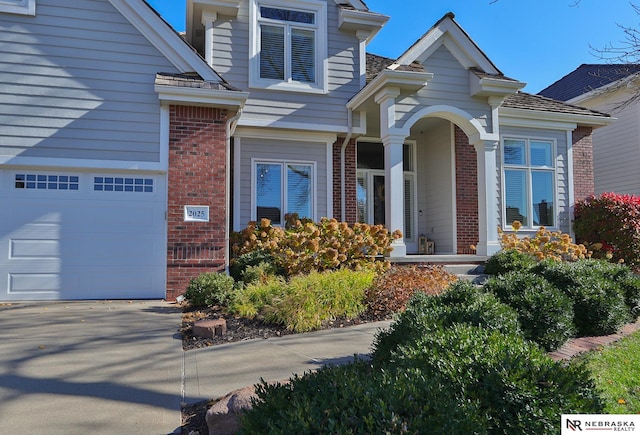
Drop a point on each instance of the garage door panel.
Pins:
(82, 244)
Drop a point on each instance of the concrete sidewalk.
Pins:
(117, 367)
(215, 371)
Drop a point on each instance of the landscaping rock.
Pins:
(223, 417)
(210, 328)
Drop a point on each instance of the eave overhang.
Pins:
(180, 95)
(355, 20)
(405, 81)
(533, 118)
(493, 87)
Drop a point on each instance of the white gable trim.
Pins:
(448, 33)
(165, 39)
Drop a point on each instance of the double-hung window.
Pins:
(282, 188)
(288, 45)
(529, 182)
(21, 7)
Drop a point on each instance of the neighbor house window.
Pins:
(282, 188)
(529, 182)
(22, 7)
(289, 45)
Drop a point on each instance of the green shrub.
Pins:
(305, 302)
(456, 380)
(509, 260)
(391, 291)
(258, 258)
(598, 300)
(209, 289)
(357, 399)
(545, 312)
(518, 388)
(609, 225)
(305, 246)
(461, 303)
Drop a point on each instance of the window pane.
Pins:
(516, 196)
(361, 197)
(272, 52)
(542, 193)
(408, 208)
(268, 192)
(288, 15)
(303, 56)
(378, 200)
(407, 157)
(514, 152)
(541, 154)
(370, 155)
(299, 190)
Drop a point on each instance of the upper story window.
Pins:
(529, 182)
(289, 45)
(22, 7)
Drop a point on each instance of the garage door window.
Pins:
(123, 184)
(47, 182)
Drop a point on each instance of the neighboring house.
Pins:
(614, 89)
(126, 158)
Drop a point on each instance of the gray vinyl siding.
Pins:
(616, 153)
(562, 188)
(450, 86)
(281, 150)
(326, 112)
(77, 81)
(435, 187)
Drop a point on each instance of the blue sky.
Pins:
(534, 41)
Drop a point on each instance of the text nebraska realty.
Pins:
(608, 425)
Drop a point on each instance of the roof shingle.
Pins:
(523, 100)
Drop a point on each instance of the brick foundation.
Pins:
(197, 161)
(583, 181)
(350, 186)
(466, 193)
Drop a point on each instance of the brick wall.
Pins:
(583, 182)
(197, 161)
(466, 193)
(350, 186)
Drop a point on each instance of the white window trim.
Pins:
(322, 68)
(21, 7)
(527, 167)
(284, 163)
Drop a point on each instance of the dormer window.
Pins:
(289, 45)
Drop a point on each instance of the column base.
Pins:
(399, 250)
(487, 249)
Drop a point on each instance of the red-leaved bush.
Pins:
(609, 224)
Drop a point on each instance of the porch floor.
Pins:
(441, 259)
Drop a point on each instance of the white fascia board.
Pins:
(88, 164)
(488, 86)
(164, 38)
(206, 97)
(349, 19)
(403, 80)
(554, 120)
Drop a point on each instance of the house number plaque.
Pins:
(196, 213)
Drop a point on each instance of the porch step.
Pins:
(469, 272)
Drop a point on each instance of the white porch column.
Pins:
(488, 192)
(393, 141)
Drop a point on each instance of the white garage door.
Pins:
(74, 235)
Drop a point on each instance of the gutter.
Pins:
(230, 127)
(343, 170)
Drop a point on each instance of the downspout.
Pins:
(343, 164)
(230, 127)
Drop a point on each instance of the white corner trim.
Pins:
(20, 7)
(165, 121)
(329, 181)
(164, 38)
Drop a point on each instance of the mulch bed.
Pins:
(238, 329)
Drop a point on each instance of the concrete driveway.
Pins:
(90, 368)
